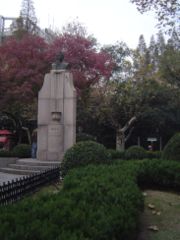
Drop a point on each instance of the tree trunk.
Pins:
(123, 134)
(120, 140)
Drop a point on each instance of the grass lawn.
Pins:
(161, 217)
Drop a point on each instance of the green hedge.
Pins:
(159, 174)
(116, 154)
(22, 151)
(153, 154)
(101, 193)
(172, 149)
(96, 202)
(4, 153)
(80, 137)
(84, 153)
(135, 152)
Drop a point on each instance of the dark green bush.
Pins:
(172, 149)
(4, 153)
(22, 151)
(84, 153)
(135, 152)
(96, 202)
(84, 137)
(153, 154)
(111, 194)
(116, 154)
(159, 173)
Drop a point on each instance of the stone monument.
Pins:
(56, 112)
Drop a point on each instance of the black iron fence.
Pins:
(13, 191)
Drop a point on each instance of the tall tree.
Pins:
(161, 43)
(169, 68)
(121, 56)
(128, 105)
(18, 28)
(159, 110)
(28, 13)
(141, 61)
(117, 108)
(74, 28)
(26, 22)
(174, 40)
(154, 55)
(142, 48)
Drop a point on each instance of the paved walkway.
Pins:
(5, 177)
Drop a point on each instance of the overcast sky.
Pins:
(108, 20)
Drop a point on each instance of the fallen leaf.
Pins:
(158, 213)
(153, 228)
(144, 194)
(151, 206)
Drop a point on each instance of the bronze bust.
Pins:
(59, 63)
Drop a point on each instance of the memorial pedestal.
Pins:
(56, 115)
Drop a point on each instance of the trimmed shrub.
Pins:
(159, 173)
(172, 149)
(116, 154)
(113, 201)
(4, 153)
(84, 153)
(80, 137)
(135, 152)
(22, 151)
(153, 154)
(96, 202)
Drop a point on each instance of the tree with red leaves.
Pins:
(87, 64)
(22, 69)
(24, 62)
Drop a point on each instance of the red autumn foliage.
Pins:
(24, 62)
(87, 64)
(22, 68)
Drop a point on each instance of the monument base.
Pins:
(56, 116)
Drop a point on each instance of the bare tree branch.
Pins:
(128, 124)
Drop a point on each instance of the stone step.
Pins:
(18, 171)
(35, 162)
(29, 167)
